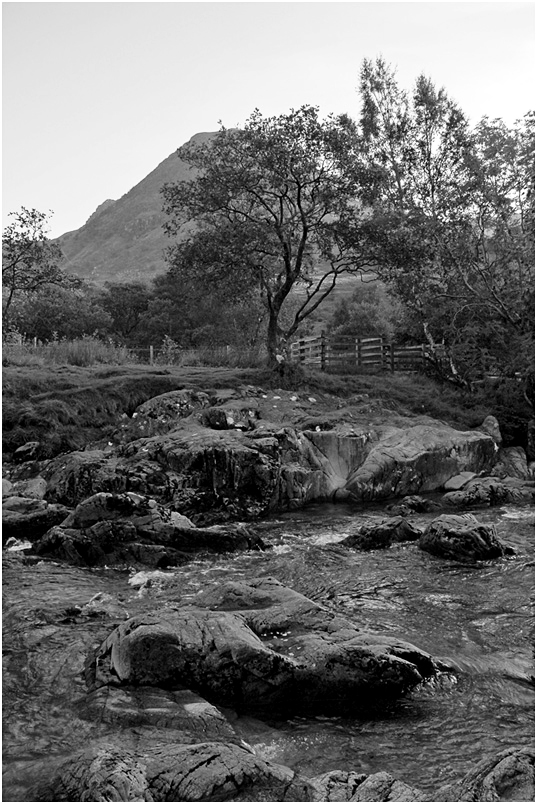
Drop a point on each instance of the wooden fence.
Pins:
(336, 354)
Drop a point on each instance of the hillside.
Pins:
(123, 240)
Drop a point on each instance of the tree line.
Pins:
(438, 212)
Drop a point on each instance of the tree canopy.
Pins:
(269, 205)
(29, 259)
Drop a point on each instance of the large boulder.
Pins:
(349, 786)
(373, 536)
(118, 528)
(29, 518)
(508, 776)
(261, 647)
(490, 491)
(462, 538)
(512, 462)
(208, 771)
(419, 459)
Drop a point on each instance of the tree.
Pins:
(126, 303)
(268, 206)
(29, 259)
(369, 312)
(451, 225)
(59, 312)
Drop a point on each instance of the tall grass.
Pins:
(85, 351)
(91, 351)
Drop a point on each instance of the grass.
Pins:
(68, 407)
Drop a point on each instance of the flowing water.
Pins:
(478, 618)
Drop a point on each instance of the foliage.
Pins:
(29, 259)
(370, 312)
(70, 313)
(451, 223)
(126, 303)
(268, 205)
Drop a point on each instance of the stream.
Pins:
(478, 618)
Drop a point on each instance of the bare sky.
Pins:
(96, 94)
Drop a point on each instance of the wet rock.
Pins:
(413, 504)
(508, 776)
(191, 718)
(420, 458)
(208, 771)
(28, 452)
(144, 513)
(489, 491)
(462, 538)
(458, 481)
(382, 534)
(491, 427)
(512, 462)
(260, 646)
(25, 518)
(154, 540)
(350, 786)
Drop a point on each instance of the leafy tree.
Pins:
(29, 259)
(451, 223)
(370, 312)
(269, 205)
(59, 312)
(126, 303)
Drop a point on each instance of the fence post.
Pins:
(151, 356)
(392, 357)
(323, 351)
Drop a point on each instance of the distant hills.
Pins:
(123, 240)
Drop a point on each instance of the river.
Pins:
(478, 618)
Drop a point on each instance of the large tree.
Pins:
(268, 207)
(451, 223)
(30, 260)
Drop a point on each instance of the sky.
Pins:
(97, 94)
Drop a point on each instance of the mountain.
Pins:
(123, 240)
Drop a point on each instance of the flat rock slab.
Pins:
(259, 647)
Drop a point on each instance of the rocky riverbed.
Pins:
(150, 613)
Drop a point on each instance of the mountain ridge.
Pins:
(124, 240)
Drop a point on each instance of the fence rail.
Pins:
(363, 353)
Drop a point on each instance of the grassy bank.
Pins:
(67, 407)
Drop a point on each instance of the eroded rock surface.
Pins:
(508, 776)
(462, 538)
(382, 534)
(260, 646)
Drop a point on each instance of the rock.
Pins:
(508, 776)
(350, 786)
(512, 462)
(236, 414)
(413, 505)
(161, 414)
(7, 486)
(462, 538)
(458, 481)
(491, 427)
(192, 718)
(74, 477)
(530, 447)
(420, 458)
(151, 536)
(23, 505)
(259, 647)
(208, 771)
(35, 487)
(32, 519)
(382, 534)
(28, 452)
(489, 491)
(144, 513)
